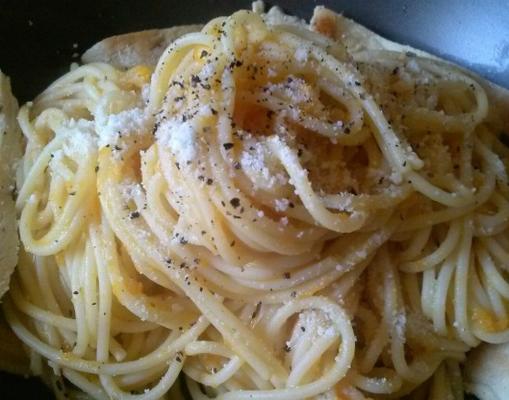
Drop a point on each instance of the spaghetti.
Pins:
(265, 213)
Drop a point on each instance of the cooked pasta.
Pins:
(266, 214)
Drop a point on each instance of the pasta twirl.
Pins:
(265, 213)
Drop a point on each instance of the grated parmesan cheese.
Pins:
(130, 191)
(294, 89)
(281, 204)
(80, 138)
(179, 137)
(301, 55)
(260, 167)
(317, 324)
(125, 123)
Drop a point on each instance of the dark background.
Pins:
(39, 38)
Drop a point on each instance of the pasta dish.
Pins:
(272, 211)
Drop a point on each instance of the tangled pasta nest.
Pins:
(273, 216)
